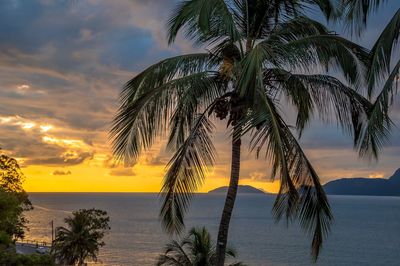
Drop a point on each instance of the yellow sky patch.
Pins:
(91, 178)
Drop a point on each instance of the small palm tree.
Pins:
(82, 238)
(259, 68)
(196, 249)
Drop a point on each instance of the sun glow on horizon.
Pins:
(376, 175)
(87, 178)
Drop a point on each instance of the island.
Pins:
(242, 189)
(365, 186)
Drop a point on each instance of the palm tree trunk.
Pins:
(229, 203)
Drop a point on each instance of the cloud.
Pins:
(67, 158)
(61, 172)
(38, 142)
(122, 172)
(110, 162)
(258, 176)
(86, 35)
(156, 160)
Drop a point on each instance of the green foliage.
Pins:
(196, 249)
(12, 221)
(11, 176)
(82, 237)
(13, 202)
(13, 199)
(5, 241)
(14, 259)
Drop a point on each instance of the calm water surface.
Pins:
(366, 230)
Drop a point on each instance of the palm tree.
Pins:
(260, 60)
(196, 249)
(82, 238)
(382, 75)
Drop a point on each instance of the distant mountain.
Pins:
(365, 186)
(241, 190)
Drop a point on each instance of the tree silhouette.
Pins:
(259, 68)
(82, 236)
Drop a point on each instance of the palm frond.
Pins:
(269, 134)
(375, 133)
(175, 254)
(301, 194)
(186, 171)
(142, 118)
(195, 249)
(260, 17)
(381, 53)
(203, 21)
(162, 72)
(188, 104)
(329, 8)
(287, 46)
(325, 96)
(251, 72)
(297, 28)
(330, 51)
(356, 13)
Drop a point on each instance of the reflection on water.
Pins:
(366, 229)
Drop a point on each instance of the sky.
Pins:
(62, 66)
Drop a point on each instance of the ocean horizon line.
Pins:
(120, 192)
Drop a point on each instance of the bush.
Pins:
(5, 240)
(14, 259)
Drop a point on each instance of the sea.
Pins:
(366, 230)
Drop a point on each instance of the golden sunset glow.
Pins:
(95, 179)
